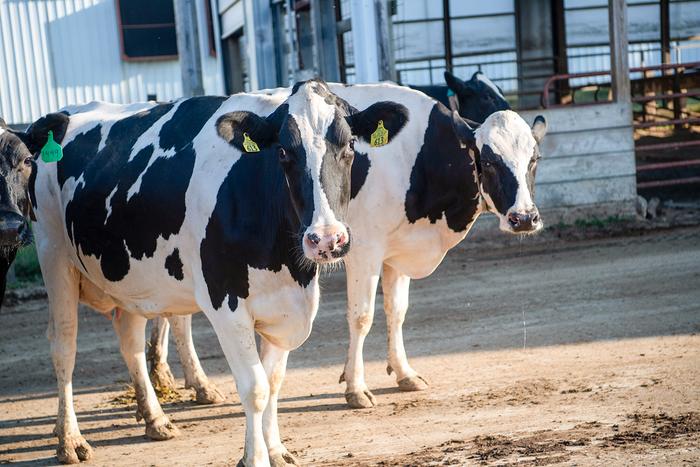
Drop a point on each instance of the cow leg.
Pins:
(161, 376)
(395, 289)
(62, 282)
(236, 333)
(362, 289)
(131, 330)
(207, 392)
(275, 362)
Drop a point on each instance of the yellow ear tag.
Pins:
(249, 145)
(380, 137)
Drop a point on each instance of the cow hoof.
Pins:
(73, 449)
(413, 383)
(209, 394)
(283, 459)
(161, 429)
(161, 376)
(360, 400)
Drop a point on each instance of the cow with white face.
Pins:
(418, 196)
(226, 205)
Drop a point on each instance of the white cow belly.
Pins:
(417, 249)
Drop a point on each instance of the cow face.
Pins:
(477, 98)
(313, 135)
(506, 151)
(17, 168)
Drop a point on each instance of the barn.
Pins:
(592, 67)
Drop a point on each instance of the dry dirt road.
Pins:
(608, 371)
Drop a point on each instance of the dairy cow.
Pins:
(226, 205)
(16, 171)
(474, 99)
(417, 197)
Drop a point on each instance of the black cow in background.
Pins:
(474, 99)
(17, 169)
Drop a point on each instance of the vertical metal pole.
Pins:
(619, 61)
(364, 39)
(447, 34)
(323, 24)
(385, 51)
(188, 48)
(664, 18)
(561, 64)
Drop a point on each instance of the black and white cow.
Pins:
(167, 209)
(474, 99)
(417, 197)
(16, 171)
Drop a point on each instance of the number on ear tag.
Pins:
(380, 137)
(249, 145)
(52, 151)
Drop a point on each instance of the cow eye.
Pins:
(27, 162)
(487, 164)
(352, 144)
(282, 154)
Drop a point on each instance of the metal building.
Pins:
(59, 52)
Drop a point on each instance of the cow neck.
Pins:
(477, 178)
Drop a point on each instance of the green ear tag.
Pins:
(52, 151)
(380, 137)
(249, 145)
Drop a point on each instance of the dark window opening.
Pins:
(147, 29)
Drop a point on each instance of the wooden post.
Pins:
(323, 24)
(619, 61)
(387, 68)
(188, 48)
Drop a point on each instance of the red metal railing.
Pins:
(656, 146)
(641, 69)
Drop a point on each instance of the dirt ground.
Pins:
(572, 352)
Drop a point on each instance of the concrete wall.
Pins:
(588, 166)
(55, 53)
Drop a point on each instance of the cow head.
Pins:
(505, 151)
(17, 167)
(313, 134)
(477, 98)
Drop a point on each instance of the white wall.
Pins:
(55, 53)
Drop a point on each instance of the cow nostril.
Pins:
(513, 219)
(314, 238)
(535, 218)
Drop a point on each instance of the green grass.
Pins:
(597, 223)
(27, 269)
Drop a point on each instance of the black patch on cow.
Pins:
(498, 180)
(442, 178)
(336, 166)
(394, 117)
(173, 264)
(358, 173)
(254, 224)
(157, 209)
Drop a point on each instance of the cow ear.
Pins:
(464, 129)
(241, 128)
(390, 115)
(539, 128)
(458, 86)
(2, 123)
(38, 132)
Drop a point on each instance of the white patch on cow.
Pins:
(509, 136)
(151, 137)
(313, 117)
(108, 203)
(484, 79)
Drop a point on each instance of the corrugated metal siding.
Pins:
(55, 53)
(587, 157)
